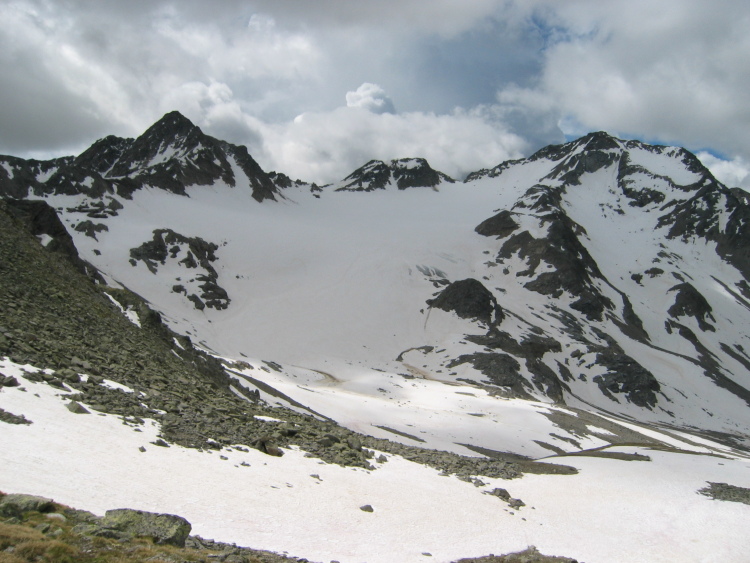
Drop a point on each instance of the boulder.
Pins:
(76, 408)
(161, 528)
(16, 505)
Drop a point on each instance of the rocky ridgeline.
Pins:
(172, 154)
(404, 173)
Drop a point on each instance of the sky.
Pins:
(317, 88)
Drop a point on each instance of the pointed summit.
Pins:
(174, 119)
(601, 141)
(172, 135)
(174, 153)
(170, 127)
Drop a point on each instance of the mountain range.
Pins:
(586, 305)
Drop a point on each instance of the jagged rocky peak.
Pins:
(598, 142)
(403, 173)
(103, 154)
(172, 137)
(374, 175)
(416, 173)
(174, 153)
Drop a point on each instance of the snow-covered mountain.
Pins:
(592, 296)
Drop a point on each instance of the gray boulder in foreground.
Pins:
(16, 505)
(162, 528)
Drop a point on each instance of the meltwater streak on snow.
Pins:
(612, 511)
(438, 416)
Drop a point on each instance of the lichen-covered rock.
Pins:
(16, 505)
(161, 528)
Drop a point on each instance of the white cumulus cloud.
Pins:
(326, 146)
(733, 173)
(370, 97)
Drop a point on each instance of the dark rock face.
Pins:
(639, 196)
(624, 375)
(501, 225)
(103, 154)
(405, 173)
(167, 244)
(374, 175)
(469, 299)
(689, 302)
(531, 348)
(20, 177)
(628, 377)
(41, 219)
(699, 215)
(573, 267)
(600, 150)
(501, 369)
(416, 173)
(262, 186)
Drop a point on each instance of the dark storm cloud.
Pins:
(45, 115)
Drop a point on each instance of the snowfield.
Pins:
(611, 511)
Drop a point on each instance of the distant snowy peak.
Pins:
(669, 182)
(402, 173)
(591, 152)
(172, 154)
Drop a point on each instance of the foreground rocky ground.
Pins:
(37, 529)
